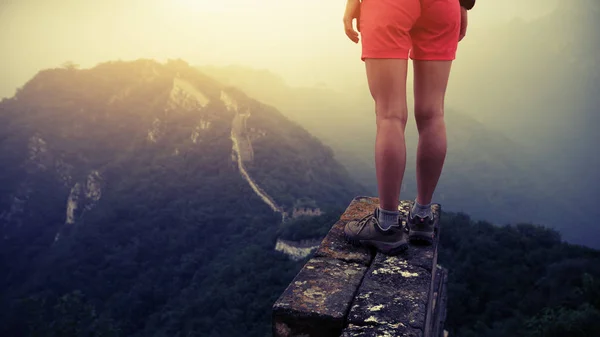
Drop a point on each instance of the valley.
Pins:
(148, 199)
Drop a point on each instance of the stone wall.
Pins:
(305, 211)
(345, 290)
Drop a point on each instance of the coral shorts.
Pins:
(423, 29)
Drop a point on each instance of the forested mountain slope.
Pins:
(154, 192)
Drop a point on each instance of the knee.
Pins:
(425, 115)
(392, 117)
(392, 122)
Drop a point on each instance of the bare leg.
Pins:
(431, 81)
(387, 83)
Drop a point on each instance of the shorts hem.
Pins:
(447, 56)
(388, 54)
(433, 58)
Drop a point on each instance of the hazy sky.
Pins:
(301, 40)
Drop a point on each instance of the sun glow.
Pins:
(301, 40)
(213, 6)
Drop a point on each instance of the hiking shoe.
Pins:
(421, 229)
(367, 232)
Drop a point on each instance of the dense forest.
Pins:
(517, 280)
(123, 212)
(504, 281)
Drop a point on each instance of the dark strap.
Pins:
(467, 4)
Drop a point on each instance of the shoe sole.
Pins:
(420, 237)
(391, 248)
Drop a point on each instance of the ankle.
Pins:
(421, 210)
(422, 202)
(387, 218)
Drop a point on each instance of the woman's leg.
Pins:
(386, 41)
(430, 82)
(435, 41)
(387, 83)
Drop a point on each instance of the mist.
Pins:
(526, 70)
(167, 168)
(303, 41)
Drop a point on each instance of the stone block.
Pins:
(335, 246)
(353, 291)
(318, 299)
(383, 330)
(393, 293)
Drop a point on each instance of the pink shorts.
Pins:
(427, 29)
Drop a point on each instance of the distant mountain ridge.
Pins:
(134, 174)
(541, 104)
(169, 238)
(315, 108)
(486, 174)
(543, 92)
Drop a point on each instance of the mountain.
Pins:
(315, 108)
(147, 199)
(536, 81)
(487, 174)
(140, 198)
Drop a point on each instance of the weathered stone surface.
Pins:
(438, 302)
(318, 299)
(422, 255)
(359, 207)
(353, 291)
(335, 246)
(382, 330)
(392, 292)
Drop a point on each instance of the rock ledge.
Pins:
(352, 291)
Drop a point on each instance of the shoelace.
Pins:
(363, 221)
